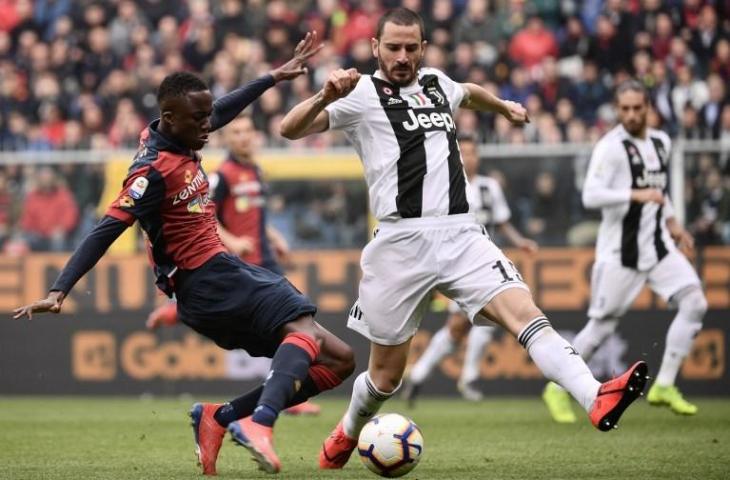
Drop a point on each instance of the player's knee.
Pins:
(693, 303)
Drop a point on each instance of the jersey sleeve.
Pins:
(142, 193)
(454, 90)
(598, 191)
(500, 209)
(345, 113)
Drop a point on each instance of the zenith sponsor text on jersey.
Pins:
(190, 189)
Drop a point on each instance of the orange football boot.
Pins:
(208, 435)
(617, 394)
(336, 449)
(259, 441)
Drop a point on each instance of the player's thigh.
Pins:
(512, 308)
(387, 363)
(398, 277)
(672, 275)
(613, 289)
(474, 271)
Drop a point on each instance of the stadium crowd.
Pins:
(82, 74)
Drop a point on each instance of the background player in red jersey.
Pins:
(235, 304)
(240, 197)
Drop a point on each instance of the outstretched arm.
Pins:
(310, 116)
(478, 98)
(83, 259)
(517, 239)
(230, 105)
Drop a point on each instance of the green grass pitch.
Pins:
(130, 438)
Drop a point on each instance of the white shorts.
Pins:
(410, 258)
(615, 287)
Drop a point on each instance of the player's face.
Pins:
(632, 109)
(189, 118)
(399, 52)
(469, 156)
(240, 137)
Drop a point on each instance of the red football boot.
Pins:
(336, 449)
(257, 439)
(617, 394)
(208, 435)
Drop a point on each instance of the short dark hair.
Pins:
(178, 84)
(401, 16)
(631, 85)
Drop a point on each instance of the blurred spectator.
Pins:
(711, 110)
(542, 224)
(532, 44)
(6, 203)
(714, 206)
(50, 214)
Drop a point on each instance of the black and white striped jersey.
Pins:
(632, 233)
(486, 200)
(406, 139)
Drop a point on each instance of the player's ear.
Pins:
(168, 117)
(374, 45)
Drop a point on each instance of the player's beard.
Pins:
(401, 83)
(636, 129)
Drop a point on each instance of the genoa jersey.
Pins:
(166, 190)
(406, 139)
(240, 197)
(486, 200)
(634, 234)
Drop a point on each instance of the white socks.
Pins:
(441, 345)
(685, 326)
(559, 361)
(364, 404)
(592, 336)
(476, 342)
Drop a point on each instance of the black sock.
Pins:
(243, 406)
(288, 370)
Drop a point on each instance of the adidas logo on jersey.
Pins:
(394, 101)
(429, 121)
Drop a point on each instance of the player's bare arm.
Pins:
(681, 236)
(240, 245)
(478, 98)
(525, 244)
(310, 116)
(279, 244)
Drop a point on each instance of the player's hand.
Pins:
(685, 242)
(528, 245)
(242, 245)
(306, 49)
(52, 303)
(515, 113)
(647, 195)
(339, 84)
(281, 249)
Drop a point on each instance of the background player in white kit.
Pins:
(488, 202)
(400, 122)
(627, 180)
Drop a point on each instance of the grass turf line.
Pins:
(128, 438)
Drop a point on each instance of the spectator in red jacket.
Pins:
(533, 43)
(49, 213)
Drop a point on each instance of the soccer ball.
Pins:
(390, 445)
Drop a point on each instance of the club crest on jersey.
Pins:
(434, 93)
(634, 157)
(126, 202)
(139, 186)
(429, 121)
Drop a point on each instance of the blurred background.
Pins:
(78, 82)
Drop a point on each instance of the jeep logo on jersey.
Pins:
(649, 179)
(429, 121)
(189, 189)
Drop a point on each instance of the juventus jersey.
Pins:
(406, 139)
(487, 201)
(635, 234)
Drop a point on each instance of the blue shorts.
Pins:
(238, 305)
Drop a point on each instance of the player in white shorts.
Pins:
(627, 180)
(400, 121)
(487, 201)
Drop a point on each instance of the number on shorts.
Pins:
(505, 277)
